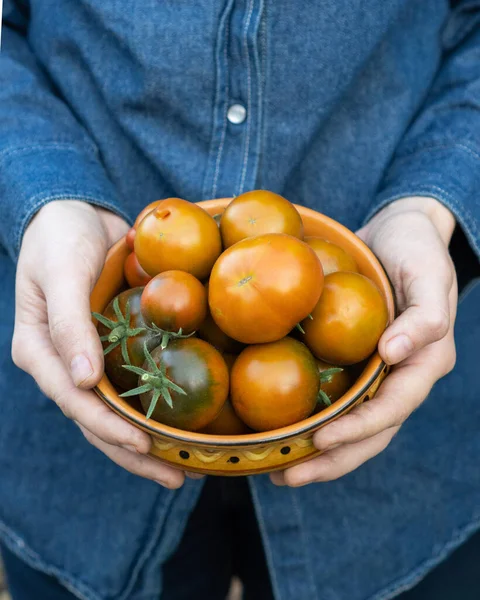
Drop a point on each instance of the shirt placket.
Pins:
(237, 112)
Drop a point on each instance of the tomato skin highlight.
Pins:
(174, 300)
(114, 360)
(261, 287)
(348, 320)
(274, 385)
(178, 235)
(133, 272)
(201, 372)
(145, 211)
(332, 257)
(256, 213)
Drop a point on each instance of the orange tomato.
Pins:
(256, 213)
(211, 333)
(144, 212)
(178, 235)
(332, 257)
(335, 384)
(274, 385)
(227, 422)
(174, 300)
(347, 321)
(133, 272)
(261, 287)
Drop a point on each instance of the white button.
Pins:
(237, 114)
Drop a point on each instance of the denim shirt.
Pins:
(345, 105)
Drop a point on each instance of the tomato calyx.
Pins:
(326, 377)
(154, 380)
(169, 335)
(120, 329)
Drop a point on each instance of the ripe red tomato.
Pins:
(184, 385)
(334, 382)
(258, 212)
(332, 257)
(261, 287)
(124, 334)
(133, 272)
(178, 235)
(130, 238)
(174, 300)
(347, 321)
(274, 385)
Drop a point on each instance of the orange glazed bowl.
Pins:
(256, 452)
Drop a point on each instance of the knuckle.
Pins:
(60, 330)
(437, 322)
(63, 404)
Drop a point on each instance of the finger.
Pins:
(143, 466)
(72, 331)
(425, 283)
(337, 462)
(398, 396)
(37, 357)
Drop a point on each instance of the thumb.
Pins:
(424, 286)
(71, 329)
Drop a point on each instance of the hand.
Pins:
(55, 341)
(411, 238)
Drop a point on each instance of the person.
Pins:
(366, 111)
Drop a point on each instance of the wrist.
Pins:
(441, 217)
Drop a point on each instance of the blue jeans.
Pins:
(222, 539)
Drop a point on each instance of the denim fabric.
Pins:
(350, 104)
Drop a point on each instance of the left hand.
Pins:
(410, 237)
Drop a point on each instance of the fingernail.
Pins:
(81, 369)
(398, 348)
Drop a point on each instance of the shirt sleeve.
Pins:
(439, 156)
(45, 153)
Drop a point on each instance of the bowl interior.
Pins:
(111, 282)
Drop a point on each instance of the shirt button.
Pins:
(237, 114)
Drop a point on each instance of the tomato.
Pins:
(211, 333)
(123, 324)
(332, 257)
(274, 385)
(184, 385)
(174, 300)
(347, 321)
(334, 382)
(130, 238)
(144, 212)
(178, 235)
(133, 272)
(227, 422)
(262, 286)
(256, 213)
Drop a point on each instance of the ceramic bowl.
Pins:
(256, 452)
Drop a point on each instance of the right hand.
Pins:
(55, 341)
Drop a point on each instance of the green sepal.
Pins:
(300, 328)
(322, 397)
(136, 391)
(104, 321)
(326, 376)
